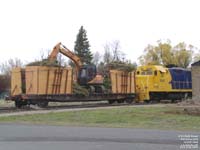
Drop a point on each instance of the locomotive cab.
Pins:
(145, 81)
(150, 80)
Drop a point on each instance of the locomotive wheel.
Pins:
(147, 101)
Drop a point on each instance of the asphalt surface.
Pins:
(41, 137)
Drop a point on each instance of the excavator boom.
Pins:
(59, 48)
(85, 74)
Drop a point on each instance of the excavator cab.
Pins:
(86, 74)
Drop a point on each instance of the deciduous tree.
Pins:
(165, 54)
(7, 66)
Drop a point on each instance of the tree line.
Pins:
(163, 53)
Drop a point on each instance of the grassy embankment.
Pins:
(4, 103)
(131, 117)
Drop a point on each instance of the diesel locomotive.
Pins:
(154, 82)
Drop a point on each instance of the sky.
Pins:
(28, 27)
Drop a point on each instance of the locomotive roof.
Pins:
(196, 63)
(155, 67)
(162, 68)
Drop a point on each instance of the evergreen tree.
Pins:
(82, 47)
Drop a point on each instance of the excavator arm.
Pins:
(60, 48)
(85, 74)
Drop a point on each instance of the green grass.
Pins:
(128, 117)
(4, 103)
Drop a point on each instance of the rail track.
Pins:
(57, 107)
(68, 106)
(14, 109)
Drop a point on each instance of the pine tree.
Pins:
(82, 47)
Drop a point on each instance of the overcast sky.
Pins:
(29, 26)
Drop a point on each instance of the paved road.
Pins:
(40, 137)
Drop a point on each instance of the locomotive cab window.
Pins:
(148, 72)
(162, 74)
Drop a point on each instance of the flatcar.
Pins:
(43, 84)
(155, 82)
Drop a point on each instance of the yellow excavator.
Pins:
(86, 75)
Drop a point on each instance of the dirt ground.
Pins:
(191, 106)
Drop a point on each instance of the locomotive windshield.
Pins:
(147, 72)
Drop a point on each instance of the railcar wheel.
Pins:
(18, 104)
(129, 100)
(111, 101)
(120, 101)
(173, 101)
(43, 104)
